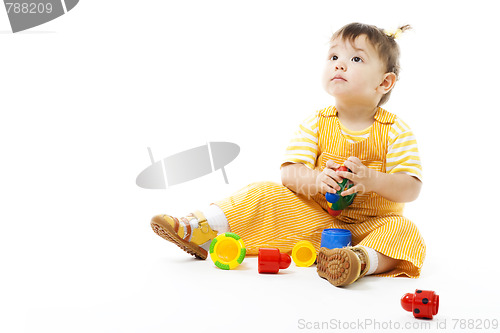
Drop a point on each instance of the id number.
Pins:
(475, 324)
(28, 8)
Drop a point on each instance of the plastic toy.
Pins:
(336, 202)
(335, 238)
(227, 250)
(423, 303)
(304, 254)
(271, 260)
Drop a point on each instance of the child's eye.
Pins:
(356, 59)
(334, 57)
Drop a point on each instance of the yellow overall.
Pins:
(267, 214)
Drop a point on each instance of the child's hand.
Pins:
(364, 178)
(327, 180)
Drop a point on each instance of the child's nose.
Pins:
(340, 66)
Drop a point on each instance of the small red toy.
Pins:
(271, 260)
(423, 303)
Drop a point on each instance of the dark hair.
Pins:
(384, 43)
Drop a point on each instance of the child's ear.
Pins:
(388, 82)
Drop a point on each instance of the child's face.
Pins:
(354, 71)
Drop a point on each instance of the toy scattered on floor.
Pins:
(227, 250)
(423, 303)
(335, 238)
(304, 254)
(271, 260)
(336, 202)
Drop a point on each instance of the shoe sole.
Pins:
(340, 267)
(168, 233)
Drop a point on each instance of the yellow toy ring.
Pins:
(304, 254)
(227, 250)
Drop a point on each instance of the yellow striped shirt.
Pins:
(402, 154)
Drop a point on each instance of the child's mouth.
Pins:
(338, 78)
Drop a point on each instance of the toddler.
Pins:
(379, 149)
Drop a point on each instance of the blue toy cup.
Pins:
(335, 238)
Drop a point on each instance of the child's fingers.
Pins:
(348, 192)
(325, 188)
(333, 175)
(353, 166)
(354, 160)
(346, 174)
(350, 165)
(330, 186)
(354, 189)
(328, 182)
(332, 165)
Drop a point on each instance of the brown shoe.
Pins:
(195, 241)
(342, 267)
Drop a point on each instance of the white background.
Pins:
(83, 96)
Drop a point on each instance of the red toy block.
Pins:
(342, 168)
(333, 212)
(423, 303)
(271, 260)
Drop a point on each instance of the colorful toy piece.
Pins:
(334, 238)
(271, 260)
(336, 202)
(227, 250)
(304, 254)
(423, 303)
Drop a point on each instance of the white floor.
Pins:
(130, 280)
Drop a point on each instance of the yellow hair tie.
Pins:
(393, 33)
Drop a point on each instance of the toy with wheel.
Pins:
(227, 250)
(336, 202)
(424, 304)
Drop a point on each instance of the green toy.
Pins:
(336, 202)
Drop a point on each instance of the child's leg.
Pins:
(263, 214)
(267, 214)
(400, 244)
(389, 246)
(343, 266)
(192, 233)
(385, 263)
